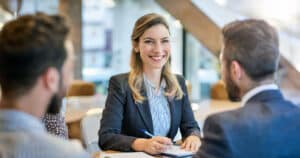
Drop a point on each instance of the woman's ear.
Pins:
(135, 47)
(136, 50)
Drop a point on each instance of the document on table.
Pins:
(125, 154)
(176, 151)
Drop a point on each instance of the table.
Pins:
(73, 123)
(201, 111)
(205, 108)
(76, 109)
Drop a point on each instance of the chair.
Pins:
(89, 126)
(79, 98)
(218, 91)
(81, 88)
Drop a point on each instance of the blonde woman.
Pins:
(146, 106)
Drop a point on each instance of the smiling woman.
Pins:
(149, 98)
(151, 56)
(154, 47)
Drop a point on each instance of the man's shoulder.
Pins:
(228, 119)
(56, 146)
(65, 147)
(224, 117)
(39, 145)
(255, 112)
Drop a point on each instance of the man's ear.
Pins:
(51, 79)
(236, 71)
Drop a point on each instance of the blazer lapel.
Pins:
(172, 112)
(144, 111)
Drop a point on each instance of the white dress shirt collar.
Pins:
(257, 90)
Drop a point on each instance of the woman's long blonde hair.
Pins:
(135, 80)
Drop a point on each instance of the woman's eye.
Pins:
(148, 42)
(166, 41)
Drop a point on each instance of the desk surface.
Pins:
(74, 116)
(77, 107)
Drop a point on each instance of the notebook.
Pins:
(126, 155)
(176, 151)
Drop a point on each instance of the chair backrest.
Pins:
(90, 125)
(81, 88)
(218, 91)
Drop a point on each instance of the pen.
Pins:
(151, 135)
(147, 133)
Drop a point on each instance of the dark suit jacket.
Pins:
(266, 127)
(123, 119)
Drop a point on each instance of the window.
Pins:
(201, 68)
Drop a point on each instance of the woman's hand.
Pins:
(191, 143)
(155, 145)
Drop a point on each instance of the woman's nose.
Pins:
(158, 48)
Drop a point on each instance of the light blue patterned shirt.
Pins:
(159, 108)
(24, 136)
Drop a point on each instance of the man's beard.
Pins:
(55, 104)
(232, 89)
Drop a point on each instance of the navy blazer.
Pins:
(123, 119)
(266, 127)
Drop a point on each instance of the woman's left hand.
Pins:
(191, 143)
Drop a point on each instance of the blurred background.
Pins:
(101, 34)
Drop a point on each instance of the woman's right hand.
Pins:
(155, 145)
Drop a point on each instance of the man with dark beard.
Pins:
(53, 119)
(266, 126)
(36, 65)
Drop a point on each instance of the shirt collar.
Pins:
(162, 84)
(13, 120)
(257, 90)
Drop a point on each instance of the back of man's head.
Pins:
(29, 45)
(254, 45)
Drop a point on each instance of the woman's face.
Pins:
(154, 47)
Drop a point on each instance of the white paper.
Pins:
(125, 154)
(175, 150)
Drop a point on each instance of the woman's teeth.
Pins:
(157, 58)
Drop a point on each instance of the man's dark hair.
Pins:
(29, 45)
(254, 45)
